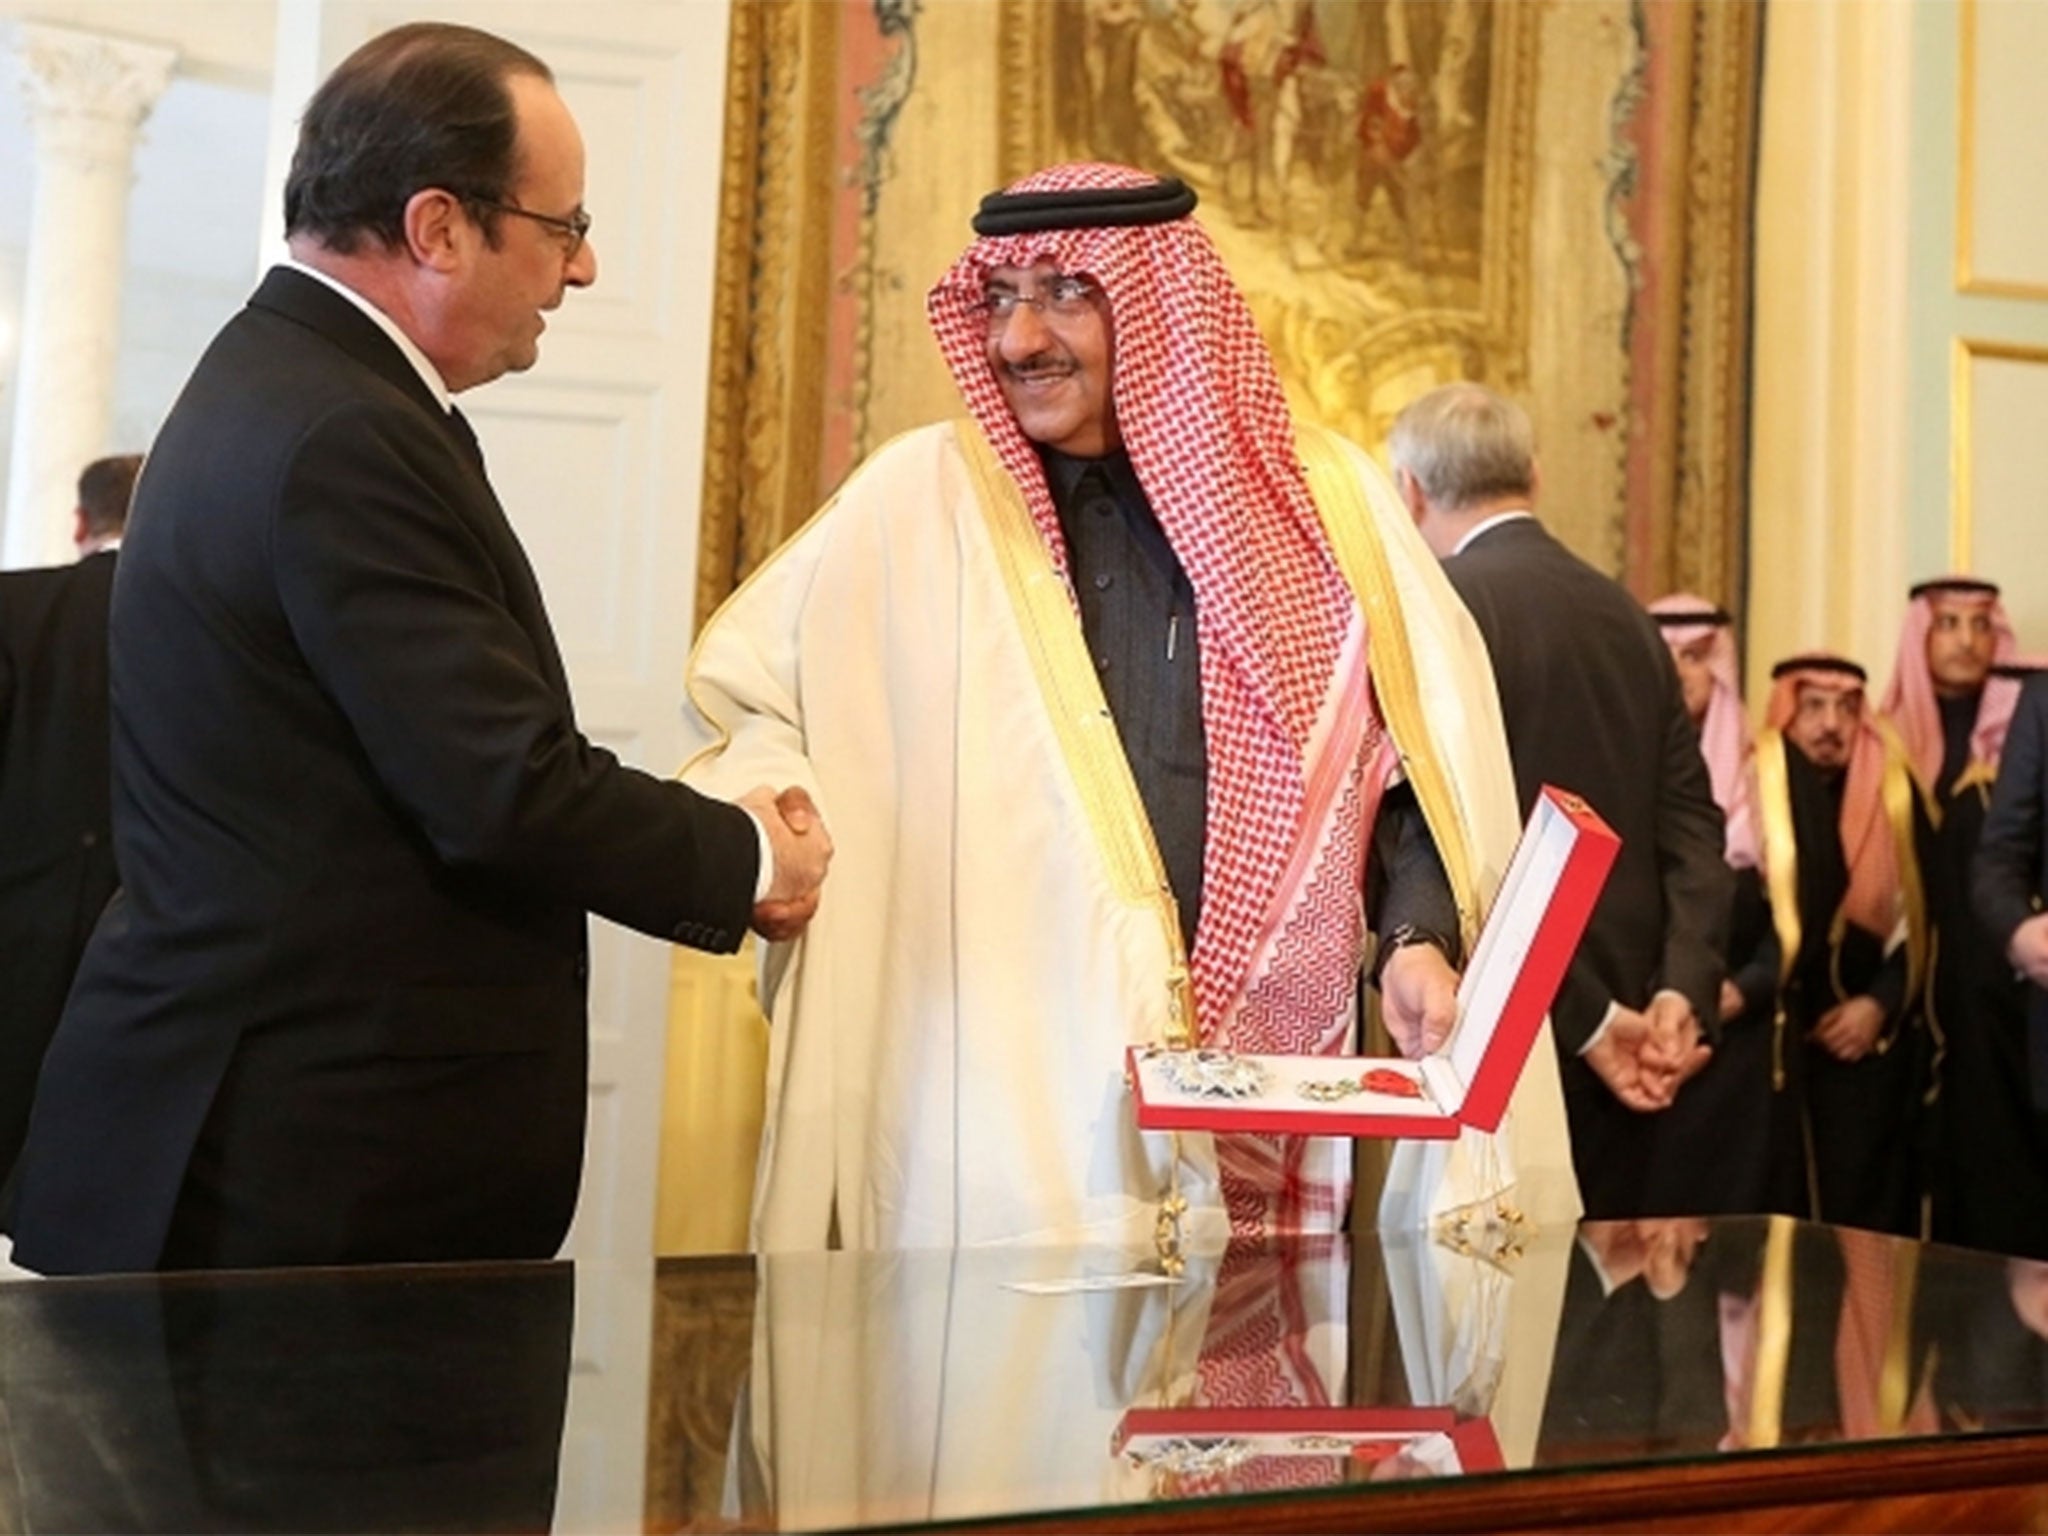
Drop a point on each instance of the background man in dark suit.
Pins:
(337, 1014)
(56, 840)
(1592, 704)
(2010, 877)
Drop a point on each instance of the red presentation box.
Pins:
(1363, 1434)
(1557, 873)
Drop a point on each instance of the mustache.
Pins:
(1041, 365)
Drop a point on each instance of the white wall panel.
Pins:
(2002, 466)
(572, 467)
(2003, 220)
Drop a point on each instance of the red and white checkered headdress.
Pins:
(1203, 417)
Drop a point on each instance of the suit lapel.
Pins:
(308, 302)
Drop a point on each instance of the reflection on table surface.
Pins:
(822, 1390)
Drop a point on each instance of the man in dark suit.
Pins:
(2009, 879)
(1592, 704)
(56, 840)
(337, 1014)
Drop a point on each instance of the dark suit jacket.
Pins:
(2010, 875)
(56, 841)
(1592, 704)
(343, 988)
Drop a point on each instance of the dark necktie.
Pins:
(465, 437)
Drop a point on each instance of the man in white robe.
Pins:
(1014, 901)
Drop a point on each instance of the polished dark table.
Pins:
(1650, 1375)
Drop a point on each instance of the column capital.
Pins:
(87, 92)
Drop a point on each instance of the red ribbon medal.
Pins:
(1387, 1080)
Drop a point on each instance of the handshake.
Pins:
(802, 849)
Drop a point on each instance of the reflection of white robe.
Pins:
(947, 1038)
(896, 1389)
(901, 1388)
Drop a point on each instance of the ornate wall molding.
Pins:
(1708, 549)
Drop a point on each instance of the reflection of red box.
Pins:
(1545, 900)
(1363, 1434)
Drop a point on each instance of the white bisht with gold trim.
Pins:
(948, 1037)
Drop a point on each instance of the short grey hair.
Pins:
(1465, 445)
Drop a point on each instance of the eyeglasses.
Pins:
(1064, 298)
(576, 226)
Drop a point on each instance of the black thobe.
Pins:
(1989, 1173)
(1138, 615)
(1842, 1133)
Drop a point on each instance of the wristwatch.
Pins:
(1405, 934)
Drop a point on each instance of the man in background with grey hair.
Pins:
(1592, 704)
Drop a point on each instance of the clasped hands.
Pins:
(1645, 1055)
(803, 850)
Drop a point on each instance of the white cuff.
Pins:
(1606, 1019)
(766, 877)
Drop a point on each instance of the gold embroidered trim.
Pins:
(1354, 539)
(1979, 775)
(1088, 738)
(1781, 847)
(1898, 805)
(1781, 875)
(1938, 1056)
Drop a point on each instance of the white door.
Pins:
(597, 455)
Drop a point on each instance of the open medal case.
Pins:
(1546, 898)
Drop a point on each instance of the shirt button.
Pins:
(1104, 582)
(1102, 663)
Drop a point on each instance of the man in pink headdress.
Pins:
(1951, 724)
(1102, 690)
(1988, 1172)
(1711, 1149)
(1836, 802)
